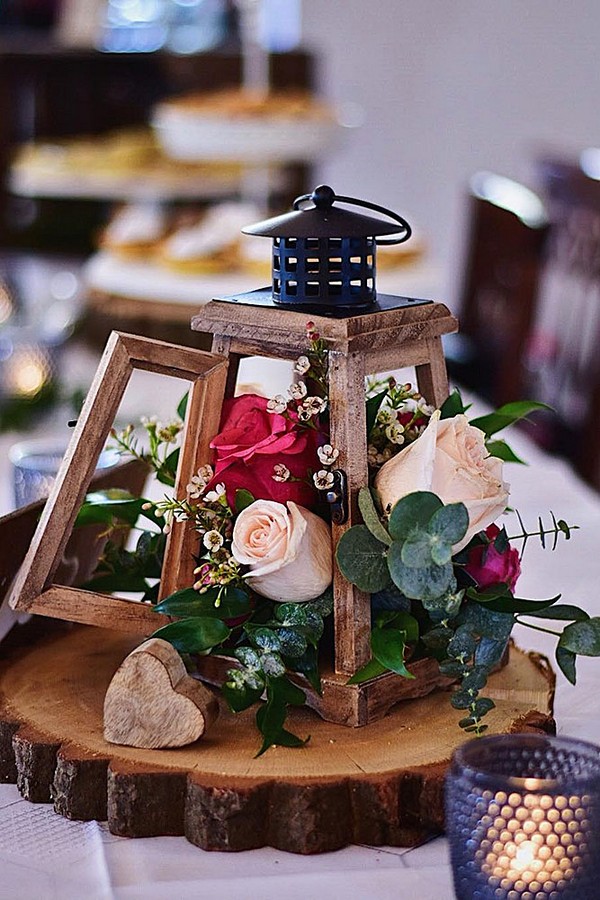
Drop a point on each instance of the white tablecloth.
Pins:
(43, 855)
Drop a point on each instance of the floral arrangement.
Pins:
(432, 550)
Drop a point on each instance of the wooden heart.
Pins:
(152, 702)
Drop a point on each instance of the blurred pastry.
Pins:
(212, 244)
(135, 230)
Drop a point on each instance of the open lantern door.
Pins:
(33, 590)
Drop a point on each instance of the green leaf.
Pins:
(562, 611)
(388, 645)
(371, 516)
(501, 450)
(373, 405)
(241, 696)
(361, 559)
(425, 583)
(307, 665)
(450, 523)
(243, 499)
(482, 706)
(372, 669)
(412, 512)
(487, 622)
(499, 598)
(103, 507)
(507, 415)
(117, 581)
(567, 660)
(416, 550)
(271, 716)
(399, 619)
(194, 635)
(182, 406)
(292, 642)
(453, 406)
(291, 613)
(266, 639)
(188, 602)
(168, 470)
(582, 637)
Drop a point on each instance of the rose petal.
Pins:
(411, 469)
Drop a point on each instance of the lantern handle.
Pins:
(323, 197)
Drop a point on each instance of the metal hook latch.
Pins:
(337, 497)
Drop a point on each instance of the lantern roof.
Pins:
(323, 219)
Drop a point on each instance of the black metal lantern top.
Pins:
(324, 255)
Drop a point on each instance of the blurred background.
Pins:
(138, 136)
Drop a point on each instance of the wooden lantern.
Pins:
(334, 254)
(365, 334)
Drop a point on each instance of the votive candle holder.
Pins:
(523, 818)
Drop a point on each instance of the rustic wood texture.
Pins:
(203, 414)
(382, 784)
(283, 331)
(358, 345)
(352, 620)
(152, 702)
(343, 703)
(33, 589)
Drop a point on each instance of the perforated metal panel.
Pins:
(335, 271)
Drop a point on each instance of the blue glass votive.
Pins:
(523, 818)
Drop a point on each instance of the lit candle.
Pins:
(523, 818)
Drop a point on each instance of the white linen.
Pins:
(157, 868)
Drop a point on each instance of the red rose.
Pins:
(251, 441)
(487, 566)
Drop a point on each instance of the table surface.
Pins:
(41, 852)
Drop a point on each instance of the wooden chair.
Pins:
(563, 361)
(507, 230)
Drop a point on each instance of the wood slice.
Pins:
(380, 784)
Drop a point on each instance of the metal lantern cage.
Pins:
(324, 255)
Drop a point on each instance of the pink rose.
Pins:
(288, 551)
(251, 441)
(487, 566)
(451, 460)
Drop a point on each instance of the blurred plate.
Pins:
(185, 134)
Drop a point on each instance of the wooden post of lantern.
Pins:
(324, 270)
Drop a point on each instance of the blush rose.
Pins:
(451, 460)
(487, 566)
(288, 550)
(251, 441)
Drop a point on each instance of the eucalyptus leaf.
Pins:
(412, 512)
(425, 583)
(416, 550)
(487, 622)
(582, 638)
(567, 660)
(450, 523)
(489, 652)
(390, 598)
(194, 635)
(482, 706)
(461, 699)
(361, 559)
(370, 516)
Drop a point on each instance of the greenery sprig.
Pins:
(406, 562)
